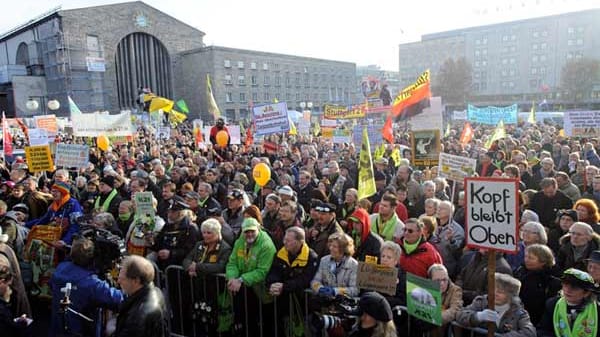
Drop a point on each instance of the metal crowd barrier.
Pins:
(185, 300)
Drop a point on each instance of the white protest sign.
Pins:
(582, 123)
(164, 132)
(96, 124)
(456, 168)
(143, 205)
(430, 118)
(492, 213)
(72, 155)
(37, 137)
(271, 118)
(235, 134)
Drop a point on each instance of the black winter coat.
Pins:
(143, 314)
(294, 278)
(536, 287)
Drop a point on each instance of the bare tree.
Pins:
(577, 78)
(453, 81)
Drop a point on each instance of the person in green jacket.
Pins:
(248, 265)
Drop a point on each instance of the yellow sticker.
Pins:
(212, 259)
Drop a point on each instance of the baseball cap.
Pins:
(250, 224)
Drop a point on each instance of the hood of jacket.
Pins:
(360, 217)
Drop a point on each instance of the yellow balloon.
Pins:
(261, 174)
(103, 142)
(222, 138)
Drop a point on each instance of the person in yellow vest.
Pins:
(574, 312)
(109, 199)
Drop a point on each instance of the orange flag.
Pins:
(467, 133)
(388, 131)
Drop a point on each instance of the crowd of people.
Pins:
(305, 229)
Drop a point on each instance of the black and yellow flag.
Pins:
(366, 177)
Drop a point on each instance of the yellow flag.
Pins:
(213, 109)
(447, 133)
(499, 133)
(317, 129)
(159, 103)
(396, 157)
(293, 131)
(176, 117)
(366, 177)
(531, 119)
(379, 152)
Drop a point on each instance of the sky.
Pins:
(363, 32)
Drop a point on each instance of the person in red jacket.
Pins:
(417, 254)
(220, 125)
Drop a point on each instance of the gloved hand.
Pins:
(327, 291)
(487, 315)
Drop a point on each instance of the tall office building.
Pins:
(512, 62)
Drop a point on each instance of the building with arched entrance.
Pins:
(99, 56)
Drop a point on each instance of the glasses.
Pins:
(322, 209)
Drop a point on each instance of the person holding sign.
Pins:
(511, 319)
(574, 312)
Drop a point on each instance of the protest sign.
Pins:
(426, 147)
(235, 134)
(164, 132)
(456, 168)
(48, 123)
(377, 277)
(582, 123)
(343, 112)
(492, 115)
(39, 158)
(143, 205)
(424, 299)
(271, 118)
(431, 117)
(37, 137)
(96, 124)
(342, 136)
(375, 135)
(72, 155)
(492, 213)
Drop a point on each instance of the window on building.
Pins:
(579, 42)
(275, 66)
(504, 38)
(242, 97)
(253, 80)
(277, 80)
(475, 86)
(288, 97)
(253, 65)
(297, 79)
(227, 63)
(267, 80)
(534, 58)
(544, 45)
(477, 53)
(254, 97)
(297, 97)
(533, 70)
(513, 37)
(511, 84)
(512, 60)
(534, 46)
(266, 97)
(228, 80)
(512, 72)
(265, 66)
(580, 29)
(240, 64)
(505, 61)
(484, 40)
(484, 63)
(533, 84)
(542, 70)
(484, 52)
(571, 30)
(578, 56)
(477, 63)
(228, 97)
(241, 80)
(504, 72)
(513, 48)
(536, 34)
(93, 46)
(483, 85)
(288, 80)
(478, 41)
(569, 56)
(570, 42)
(542, 58)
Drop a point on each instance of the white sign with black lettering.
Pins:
(492, 213)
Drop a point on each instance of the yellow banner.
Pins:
(343, 112)
(39, 158)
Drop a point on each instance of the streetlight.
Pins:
(32, 104)
(53, 104)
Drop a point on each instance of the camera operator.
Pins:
(89, 294)
(376, 317)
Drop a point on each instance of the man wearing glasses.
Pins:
(417, 254)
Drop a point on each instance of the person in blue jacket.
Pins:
(63, 212)
(88, 296)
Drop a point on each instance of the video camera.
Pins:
(108, 247)
(342, 311)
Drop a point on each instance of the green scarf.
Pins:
(586, 323)
(106, 203)
(410, 247)
(387, 229)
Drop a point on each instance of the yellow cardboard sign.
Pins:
(39, 158)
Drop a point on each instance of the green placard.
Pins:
(423, 299)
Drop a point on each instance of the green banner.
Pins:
(423, 299)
